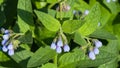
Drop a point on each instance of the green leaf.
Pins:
(42, 55)
(79, 39)
(1, 1)
(112, 64)
(69, 60)
(91, 21)
(105, 16)
(22, 57)
(49, 65)
(81, 5)
(48, 21)
(52, 1)
(26, 38)
(25, 17)
(102, 34)
(113, 6)
(77, 59)
(70, 26)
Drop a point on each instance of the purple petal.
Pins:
(91, 55)
(3, 42)
(60, 43)
(86, 12)
(98, 43)
(96, 50)
(6, 37)
(53, 45)
(11, 52)
(58, 49)
(10, 46)
(4, 48)
(66, 48)
(7, 31)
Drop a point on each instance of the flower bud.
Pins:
(11, 52)
(58, 49)
(53, 45)
(91, 55)
(96, 51)
(86, 12)
(10, 46)
(4, 48)
(6, 37)
(98, 43)
(66, 48)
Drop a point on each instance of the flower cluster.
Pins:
(108, 1)
(94, 51)
(7, 46)
(58, 44)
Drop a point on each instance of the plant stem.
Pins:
(55, 59)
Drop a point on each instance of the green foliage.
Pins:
(35, 24)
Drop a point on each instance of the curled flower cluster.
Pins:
(95, 50)
(7, 46)
(58, 45)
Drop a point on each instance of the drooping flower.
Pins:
(96, 51)
(6, 36)
(97, 43)
(66, 48)
(53, 45)
(11, 52)
(58, 49)
(10, 46)
(92, 55)
(60, 42)
(4, 48)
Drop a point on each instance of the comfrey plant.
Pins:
(8, 41)
(94, 51)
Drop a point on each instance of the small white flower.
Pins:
(66, 48)
(6, 36)
(91, 55)
(108, 1)
(60, 43)
(58, 49)
(3, 42)
(11, 52)
(86, 12)
(4, 48)
(53, 45)
(10, 46)
(98, 43)
(96, 51)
